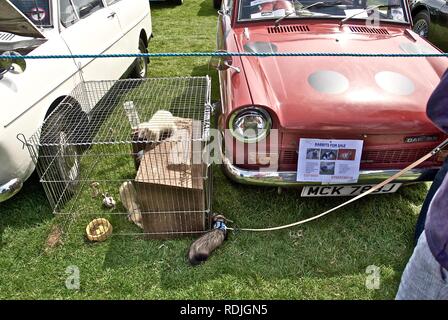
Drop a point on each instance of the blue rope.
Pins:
(226, 54)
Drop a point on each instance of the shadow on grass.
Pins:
(204, 70)
(207, 9)
(155, 5)
(26, 209)
(375, 231)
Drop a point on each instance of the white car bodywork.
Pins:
(28, 97)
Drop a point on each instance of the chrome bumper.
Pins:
(10, 188)
(288, 178)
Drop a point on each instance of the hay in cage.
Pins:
(130, 151)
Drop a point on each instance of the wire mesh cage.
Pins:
(131, 151)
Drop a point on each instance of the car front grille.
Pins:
(289, 157)
(394, 156)
(377, 157)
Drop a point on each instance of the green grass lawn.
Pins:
(326, 259)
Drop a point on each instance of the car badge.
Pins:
(417, 139)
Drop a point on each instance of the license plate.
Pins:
(346, 191)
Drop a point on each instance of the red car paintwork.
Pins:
(364, 111)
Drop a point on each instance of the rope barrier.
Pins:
(227, 54)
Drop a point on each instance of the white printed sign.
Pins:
(361, 13)
(276, 14)
(329, 161)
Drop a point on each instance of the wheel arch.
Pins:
(144, 36)
(58, 101)
(419, 8)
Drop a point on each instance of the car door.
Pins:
(89, 27)
(130, 13)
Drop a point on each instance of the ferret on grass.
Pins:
(160, 126)
(128, 197)
(201, 248)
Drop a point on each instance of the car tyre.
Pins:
(140, 69)
(217, 4)
(177, 2)
(59, 153)
(421, 23)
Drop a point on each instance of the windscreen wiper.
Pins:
(277, 22)
(316, 4)
(368, 9)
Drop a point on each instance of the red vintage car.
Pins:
(345, 121)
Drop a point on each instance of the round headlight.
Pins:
(250, 124)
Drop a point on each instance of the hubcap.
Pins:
(142, 65)
(421, 28)
(68, 161)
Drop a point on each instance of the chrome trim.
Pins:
(288, 178)
(10, 188)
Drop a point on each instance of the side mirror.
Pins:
(222, 63)
(15, 66)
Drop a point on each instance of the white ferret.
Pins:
(161, 125)
(128, 197)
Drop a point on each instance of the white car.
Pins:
(31, 89)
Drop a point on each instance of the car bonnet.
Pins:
(309, 92)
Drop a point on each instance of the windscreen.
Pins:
(374, 10)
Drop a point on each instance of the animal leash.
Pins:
(378, 186)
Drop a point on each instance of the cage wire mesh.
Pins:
(130, 151)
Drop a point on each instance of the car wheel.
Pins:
(177, 2)
(59, 155)
(421, 23)
(141, 64)
(217, 4)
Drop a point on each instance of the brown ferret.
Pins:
(128, 197)
(201, 248)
